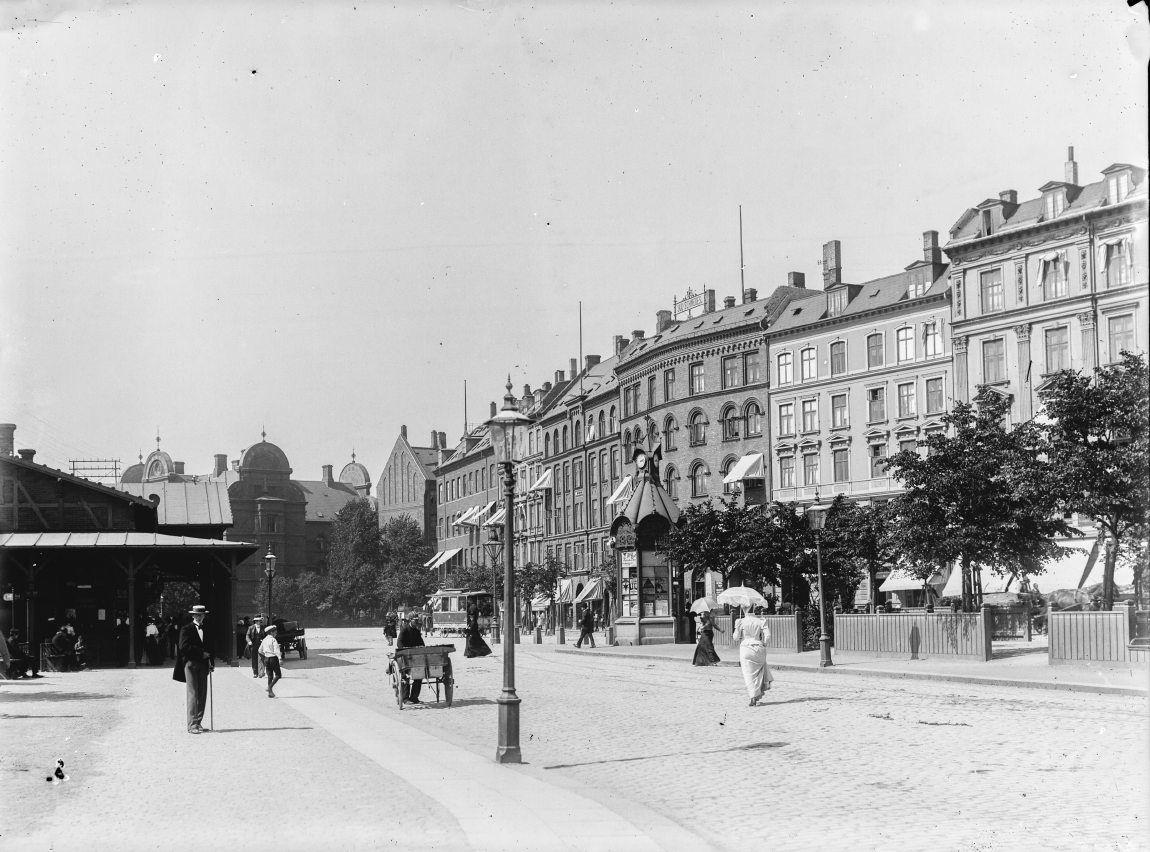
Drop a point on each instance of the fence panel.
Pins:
(915, 634)
(1102, 637)
(786, 632)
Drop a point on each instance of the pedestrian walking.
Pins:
(194, 662)
(389, 624)
(475, 646)
(255, 637)
(752, 633)
(705, 643)
(270, 651)
(586, 628)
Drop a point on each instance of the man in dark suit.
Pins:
(194, 662)
(586, 628)
(410, 637)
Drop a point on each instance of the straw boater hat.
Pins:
(198, 609)
(272, 627)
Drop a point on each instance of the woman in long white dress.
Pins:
(751, 632)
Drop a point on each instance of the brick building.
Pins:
(406, 486)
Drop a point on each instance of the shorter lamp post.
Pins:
(507, 430)
(817, 518)
(270, 573)
(494, 547)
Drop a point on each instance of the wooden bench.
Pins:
(50, 659)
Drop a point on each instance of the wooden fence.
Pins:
(1100, 637)
(916, 634)
(786, 632)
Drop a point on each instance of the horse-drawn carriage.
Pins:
(290, 636)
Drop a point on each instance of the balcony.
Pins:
(829, 490)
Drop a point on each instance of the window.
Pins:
(695, 379)
(810, 469)
(1055, 283)
(751, 368)
(907, 401)
(670, 427)
(919, 284)
(836, 302)
(877, 460)
(993, 296)
(931, 340)
(613, 424)
(591, 434)
(671, 482)
(786, 368)
(631, 400)
(577, 473)
(602, 432)
(787, 418)
(807, 366)
(1057, 349)
(591, 470)
(838, 358)
(842, 471)
(724, 469)
(875, 357)
(566, 477)
(731, 371)
(1118, 264)
(810, 415)
(627, 444)
(993, 361)
(1055, 204)
(564, 438)
(753, 415)
(730, 420)
(839, 411)
(668, 385)
(907, 444)
(1117, 187)
(985, 223)
(934, 401)
(650, 391)
(1121, 333)
(614, 464)
(698, 429)
(787, 472)
(876, 405)
(904, 344)
(638, 438)
(579, 433)
(699, 475)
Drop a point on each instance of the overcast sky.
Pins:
(320, 218)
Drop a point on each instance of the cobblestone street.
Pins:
(825, 762)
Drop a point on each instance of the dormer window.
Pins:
(1117, 187)
(986, 222)
(836, 302)
(1055, 203)
(919, 284)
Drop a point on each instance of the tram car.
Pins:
(449, 611)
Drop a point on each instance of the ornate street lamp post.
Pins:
(270, 573)
(506, 429)
(817, 518)
(494, 547)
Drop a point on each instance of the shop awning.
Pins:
(543, 482)
(1083, 566)
(433, 559)
(566, 591)
(620, 494)
(749, 466)
(901, 581)
(445, 557)
(540, 603)
(592, 590)
(496, 519)
(468, 515)
(474, 516)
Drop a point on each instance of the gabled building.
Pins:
(407, 484)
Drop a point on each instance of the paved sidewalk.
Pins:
(1028, 670)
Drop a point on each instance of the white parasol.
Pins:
(742, 596)
(704, 605)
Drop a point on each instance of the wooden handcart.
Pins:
(430, 664)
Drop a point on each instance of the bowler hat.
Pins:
(198, 609)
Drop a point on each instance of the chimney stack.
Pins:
(1071, 167)
(327, 477)
(528, 398)
(494, 410)
(403, 431)
(591, 361)
(7, 439)
(1008, 196)
(27, 455)
(662, 321)
(179, 466)
(574, 367)
(221, 464)
(931, 253)
(729, 301)
(832, 263)
(750, 294)
(637, 334)
(797, 279)
(620, 343)
(708, 301)
(559, 377)
(443, 440)
(547, 387)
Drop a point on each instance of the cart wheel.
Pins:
(448, 688)
(303, 650)
(400, 689)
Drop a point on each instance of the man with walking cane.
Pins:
(194, 663)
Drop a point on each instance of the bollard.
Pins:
(539, 635)
(611, 635)
(562, 640)
(494, 633)
(515, 631)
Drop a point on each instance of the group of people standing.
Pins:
(751, 633)
(260, 643)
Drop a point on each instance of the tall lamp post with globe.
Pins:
(817, 518)
(494, 548)
(270, 573)
(507, 434)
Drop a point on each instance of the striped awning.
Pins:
(468, 515)
(433, 559)
(594, 589)
(445, 557)
(748, 467)
(621, 493)
(540, 603)
(543, 482)
(496, 519)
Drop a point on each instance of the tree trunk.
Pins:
(1111, 560)
(872, 570)
(967, 591)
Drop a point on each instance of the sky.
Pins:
(321, 219)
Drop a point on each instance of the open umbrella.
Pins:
(742, 596)
(704, 605)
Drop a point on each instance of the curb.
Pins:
(1064, 686)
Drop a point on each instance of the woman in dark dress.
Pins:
(475, 647)
(705, 648)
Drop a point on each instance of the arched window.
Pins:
(602, 424)
(671, 481)
(753, 417)
(565, 437)
(555, 441)
(670, 427)
(699, 477)
(698, 428)
(786, 368)
(730, 421)
(546, 445)
(531, 442)
(578, 433)
(627, 444)
(808, 366)
(613, 425)
(724, 469)
(638, 437)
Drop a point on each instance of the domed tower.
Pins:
(265, 462)
(355, 475)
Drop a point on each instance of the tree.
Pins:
(730, 539)
(856, 539)
(608, 571)
(540, 578)
(966, 499)
(402, 577)
(1095, 442)
(355, 559)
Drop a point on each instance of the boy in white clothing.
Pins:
(270, 651)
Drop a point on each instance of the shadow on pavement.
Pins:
(744, 747)
(48, 716)
(460, 702)
(316, 661)
(1004, 653)
(247, 730)
(798, 700)
(321, 651)
(58, 696)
